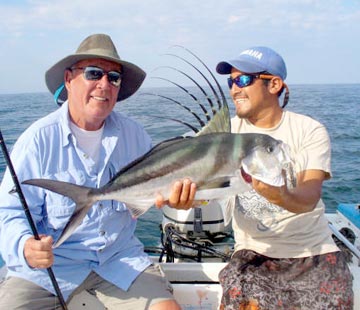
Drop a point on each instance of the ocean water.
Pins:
(336, 106)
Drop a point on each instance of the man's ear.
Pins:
(67, 78)
(275, 85)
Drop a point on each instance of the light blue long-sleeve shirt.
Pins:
(105, 241)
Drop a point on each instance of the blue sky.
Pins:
(319, 40)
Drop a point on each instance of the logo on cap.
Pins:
(253, 53)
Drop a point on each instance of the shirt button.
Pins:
(101, 232)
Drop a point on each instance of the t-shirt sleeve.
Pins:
(315, 152)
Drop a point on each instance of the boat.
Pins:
(195, 247)
(196, 283)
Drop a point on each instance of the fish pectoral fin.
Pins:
(216, 183)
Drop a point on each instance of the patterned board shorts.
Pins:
(255, 282)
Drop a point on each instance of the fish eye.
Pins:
(270, 149)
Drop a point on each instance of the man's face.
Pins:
(249, 101)
(91, 101)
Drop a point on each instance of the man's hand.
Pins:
(300, 199)
(39, 253)
(273, 194)
(181, 197)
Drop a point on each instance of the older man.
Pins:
(84, 142)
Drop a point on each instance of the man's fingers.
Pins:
(184, 194)
(176, 194)
(192, 191)
(38, 253)
(44, 244)
(181, 196)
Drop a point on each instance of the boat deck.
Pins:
(196, 284)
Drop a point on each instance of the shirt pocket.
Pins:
(59, 208)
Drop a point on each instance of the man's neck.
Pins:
(267, 119)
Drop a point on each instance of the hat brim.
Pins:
(133, 76)
(224, 67)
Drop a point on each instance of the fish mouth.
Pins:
(247, 177)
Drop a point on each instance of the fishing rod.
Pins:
(28, 216)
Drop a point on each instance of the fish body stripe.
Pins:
(216, 149)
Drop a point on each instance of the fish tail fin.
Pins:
(81, 195)
(136, 210)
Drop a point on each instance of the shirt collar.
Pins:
(67, 136)
(64, 121)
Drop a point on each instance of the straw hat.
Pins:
(96, 46)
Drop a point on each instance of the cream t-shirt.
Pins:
(269, 229)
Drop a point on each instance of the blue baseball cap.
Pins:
(255, 60)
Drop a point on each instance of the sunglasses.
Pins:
(92, 73)
(244, 80)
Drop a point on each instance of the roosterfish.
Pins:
(219, 162)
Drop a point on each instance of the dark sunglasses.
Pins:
(92, 73)
(244, 80)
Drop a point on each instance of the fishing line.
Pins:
(28, 216)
